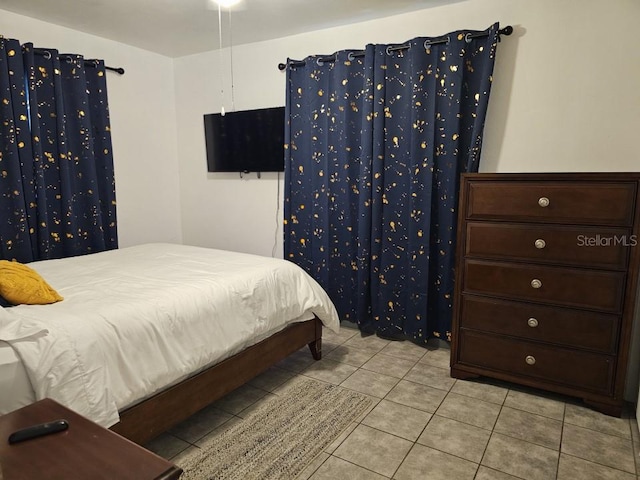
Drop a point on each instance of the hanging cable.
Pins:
(233, 106)
(275, 240)
(220, 57)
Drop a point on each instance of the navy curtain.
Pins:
(328, 177)
(57, 189)
(376, 143)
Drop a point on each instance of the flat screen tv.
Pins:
(245, 141)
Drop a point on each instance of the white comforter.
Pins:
(138, 319)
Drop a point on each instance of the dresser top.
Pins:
(589, 176)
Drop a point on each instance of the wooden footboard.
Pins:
(147, 419)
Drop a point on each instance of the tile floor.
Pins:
(425, 425)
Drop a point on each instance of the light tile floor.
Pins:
(425, 425)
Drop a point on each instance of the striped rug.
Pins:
(280, 438)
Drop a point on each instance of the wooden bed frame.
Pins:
(144, 421)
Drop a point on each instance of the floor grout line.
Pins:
(447, 392)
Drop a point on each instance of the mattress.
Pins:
(136, 320)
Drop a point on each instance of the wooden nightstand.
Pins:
(85, 450)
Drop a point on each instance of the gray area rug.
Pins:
(281, 437)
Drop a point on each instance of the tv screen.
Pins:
(245, 141)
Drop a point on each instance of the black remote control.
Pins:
(38, 431)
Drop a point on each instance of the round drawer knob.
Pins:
(530, 359)
(535, 283)
(540, 243)
(543, 202)
(532, 322)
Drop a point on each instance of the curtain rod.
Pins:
(119, 70)
(508, 30)
(88, 62)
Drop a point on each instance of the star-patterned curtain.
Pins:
(376, 143)
(57, 189)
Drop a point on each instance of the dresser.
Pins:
(546, 281)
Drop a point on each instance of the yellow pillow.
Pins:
(22, 284)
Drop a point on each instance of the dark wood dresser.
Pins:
(546, 281)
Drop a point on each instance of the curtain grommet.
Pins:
(319, 62)
(437, 41)
(350, 57)
(391, 49)
(47, 55)
(468, 37)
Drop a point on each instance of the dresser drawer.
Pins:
(594, 289)
(561, 326)
(594, 203)
(589, 371)
(586, 246)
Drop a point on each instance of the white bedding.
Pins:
(138, 319)
(15, 386)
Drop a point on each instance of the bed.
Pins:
(148, 335)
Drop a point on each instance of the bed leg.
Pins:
(316, 345)
(316, 349)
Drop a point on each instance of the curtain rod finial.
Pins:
(282, 66)
(508, 30)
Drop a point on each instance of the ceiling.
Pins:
(182, 27)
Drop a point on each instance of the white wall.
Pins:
(565, 95)
(143, 126)
(222, 210)
(565, 98)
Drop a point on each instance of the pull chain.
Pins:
(233, 107)
(220, 55)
